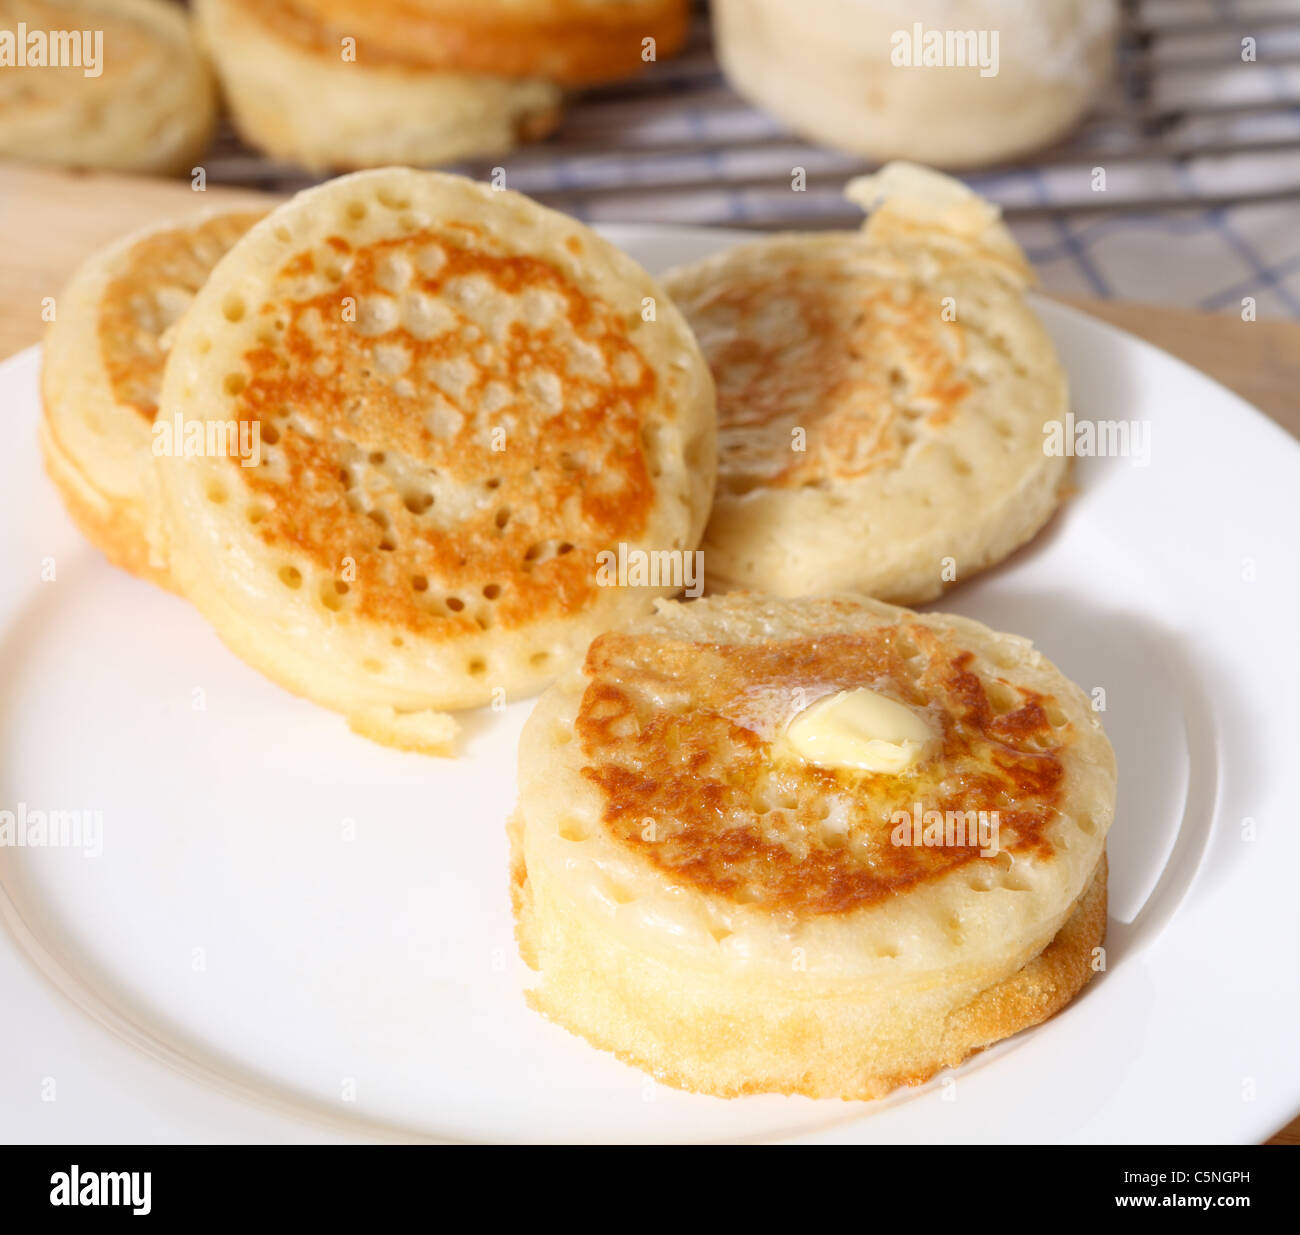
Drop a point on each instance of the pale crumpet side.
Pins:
(461, 404)
(736, 918)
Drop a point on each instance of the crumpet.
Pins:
(735, 917)
(882, 398)
(117, 84)
(460, 405)
(102, 373)
(854, 76)
(330, 102)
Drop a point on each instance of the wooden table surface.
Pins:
(50, 220)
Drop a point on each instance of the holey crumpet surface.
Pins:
(741, 901)
(461, 400)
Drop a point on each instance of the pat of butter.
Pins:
(859, 729)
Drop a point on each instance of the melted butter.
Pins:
(859, 729)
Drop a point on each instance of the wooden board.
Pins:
(50, 220)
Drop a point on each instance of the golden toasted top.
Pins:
(464, 428)
(678, 736)
(572, 42)
(155, 282)
(825, 370)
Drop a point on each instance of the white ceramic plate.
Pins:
(294, 934)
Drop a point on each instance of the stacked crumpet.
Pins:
(362, 83)
(785, 838)
(738, 913)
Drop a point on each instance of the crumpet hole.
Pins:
(906, 645)
(1002, 697)
(291, 576)
(573, 829)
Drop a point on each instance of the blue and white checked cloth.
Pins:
(689, 151)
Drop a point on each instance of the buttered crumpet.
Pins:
(823, 846)
(102, 375)
(117, 84)
(882, 398)
(463, 404)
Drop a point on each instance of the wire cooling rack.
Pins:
(1188, 123)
